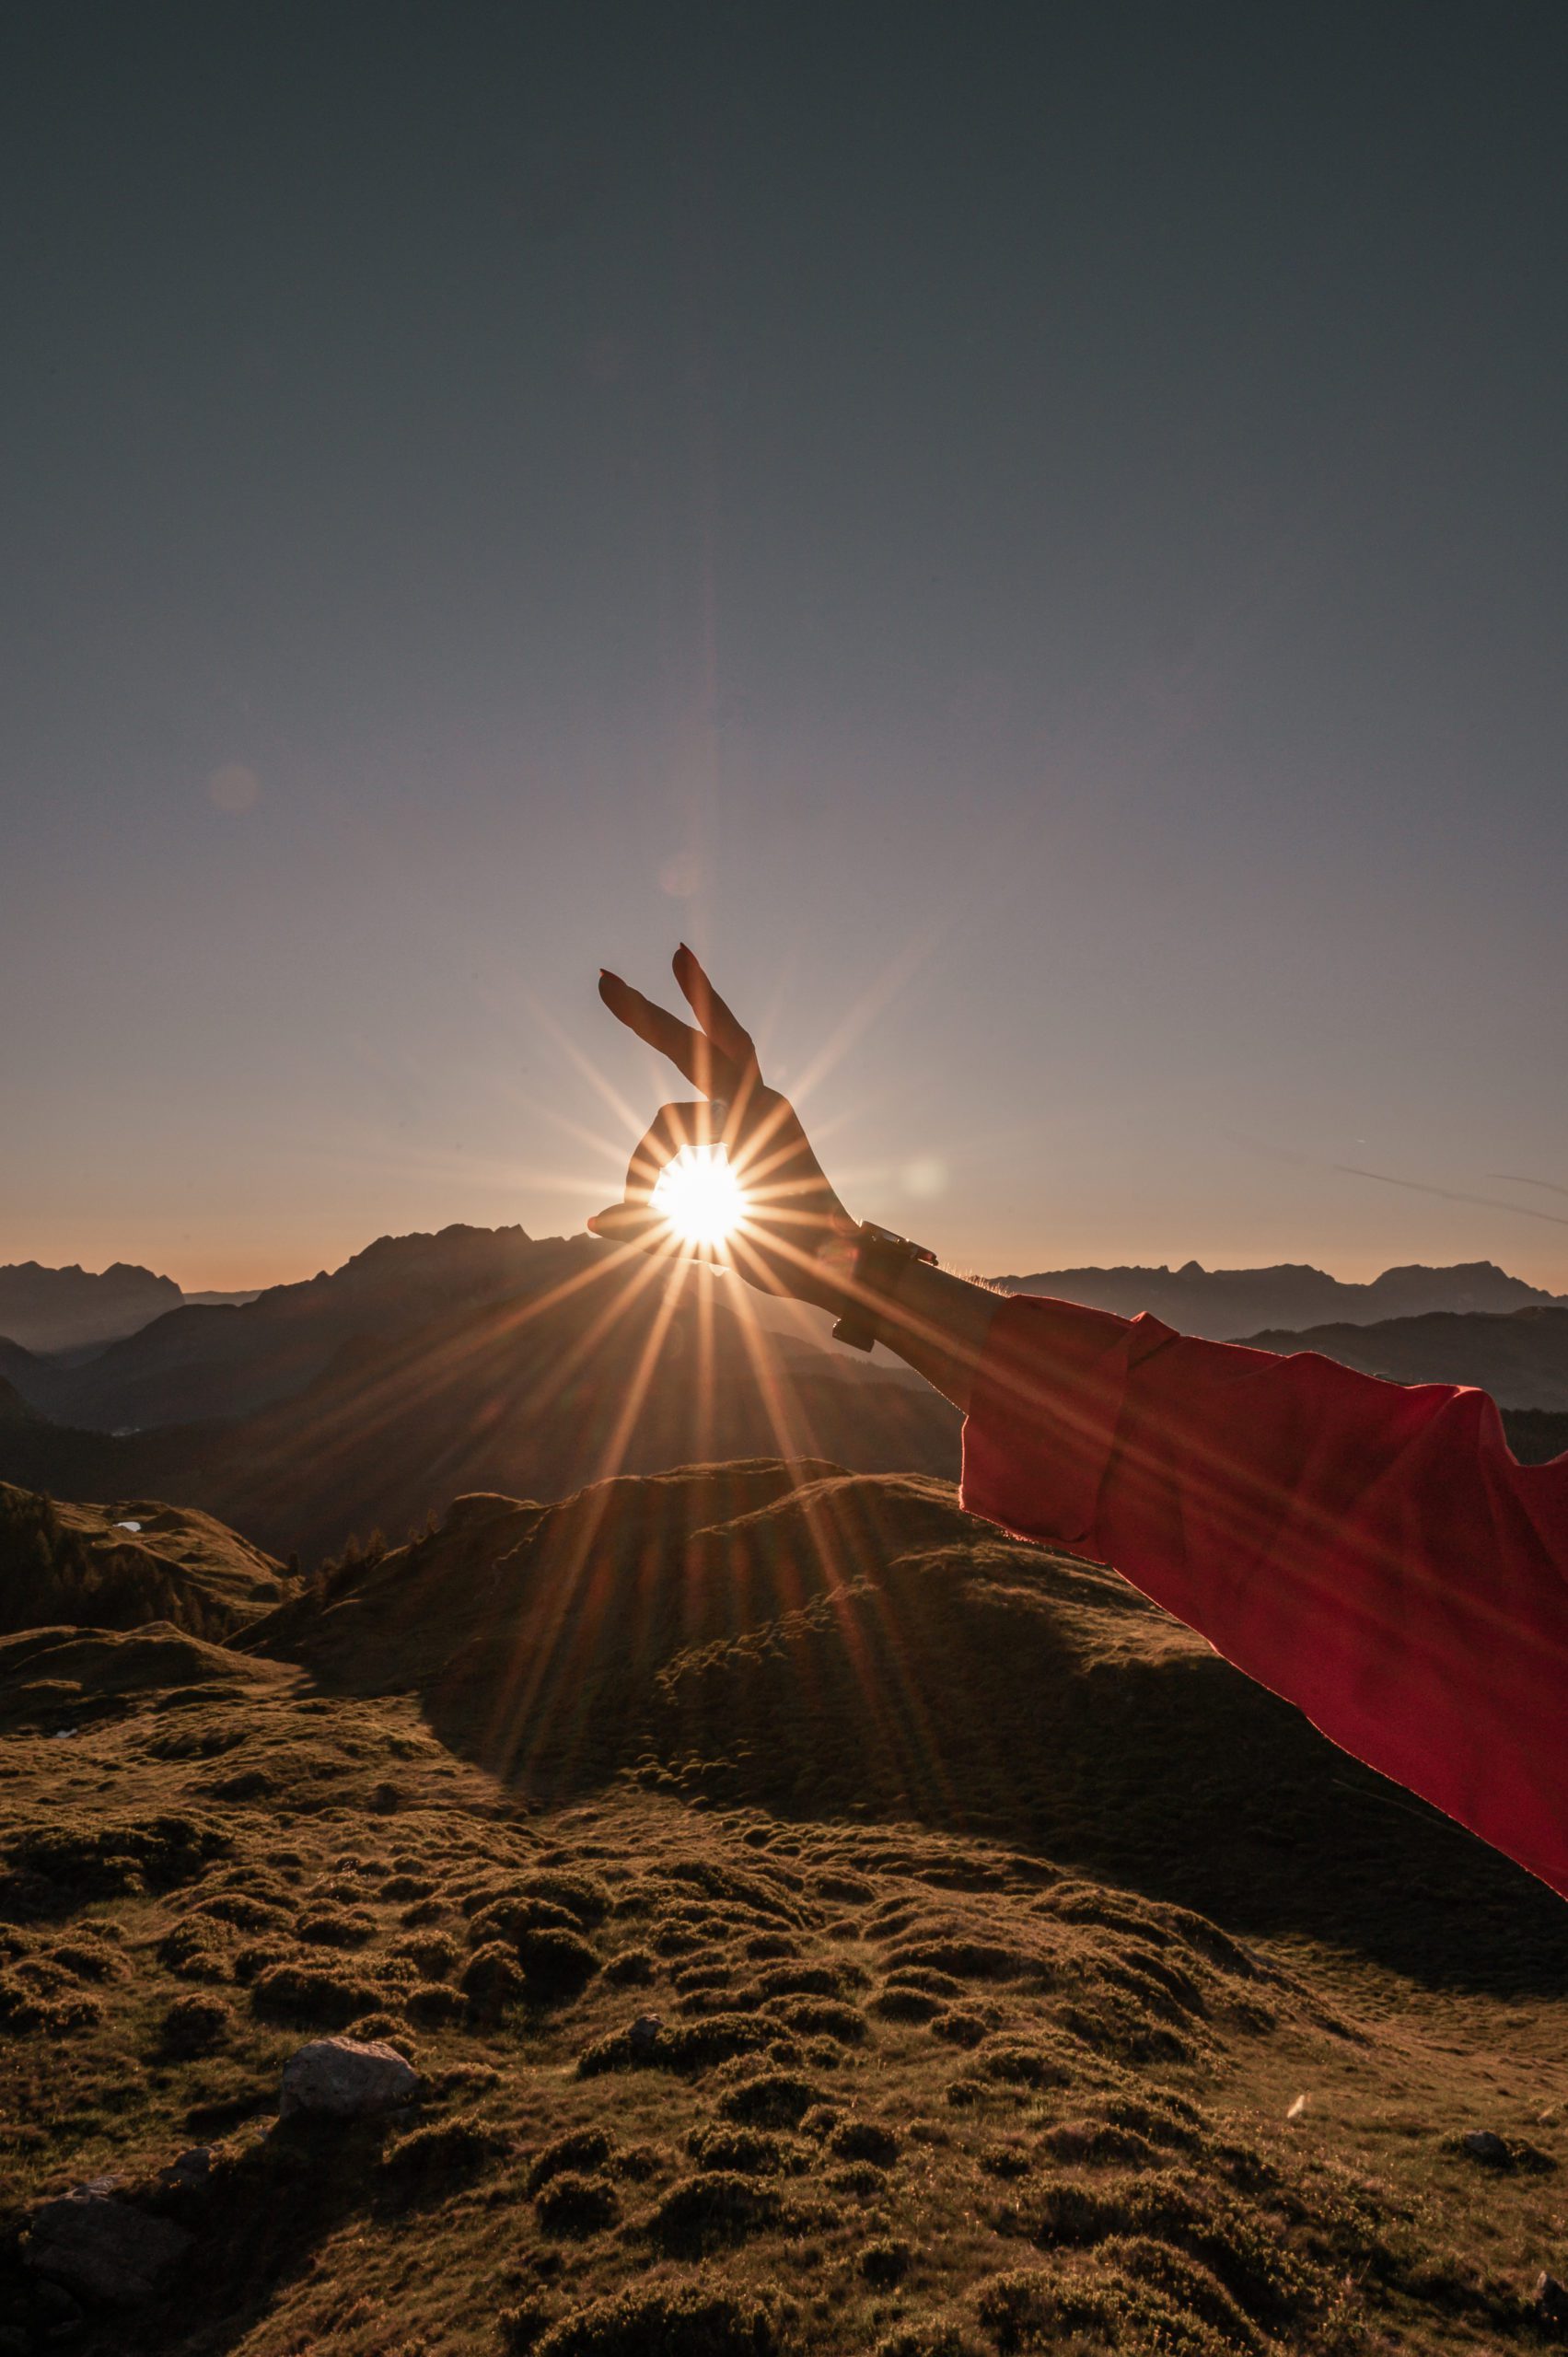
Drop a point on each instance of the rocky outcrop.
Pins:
(100, 2247)
(337, 2079)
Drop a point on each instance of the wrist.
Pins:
(876, 1263)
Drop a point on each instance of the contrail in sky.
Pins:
(1512, 1178)
(1454, 1195)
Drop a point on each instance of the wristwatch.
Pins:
(879, 1258)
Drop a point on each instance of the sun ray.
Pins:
(520, 1691)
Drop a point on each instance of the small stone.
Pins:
(645, 2033)
(97, 2246)
(1482, 2145)
(194, 2167)
(1550, 2299)
(337, 2079)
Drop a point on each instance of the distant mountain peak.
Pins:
(71, 1308)
(1224, 1304)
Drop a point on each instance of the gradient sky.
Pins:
(1037, 538)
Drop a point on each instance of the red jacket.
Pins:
(1373, 1551)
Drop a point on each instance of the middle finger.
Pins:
(689, 1049)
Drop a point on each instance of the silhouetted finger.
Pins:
(731, 1037)
(688, 1050)
(672, 1126)
(626, 1223)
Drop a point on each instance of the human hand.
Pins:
(791, 1213)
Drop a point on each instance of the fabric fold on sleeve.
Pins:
(1370, 1550)
(1043, 1419)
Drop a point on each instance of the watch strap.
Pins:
(879, 1262)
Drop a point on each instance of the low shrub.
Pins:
(751, 2151)
(689, 2321)
(574, 2204)
(863, 2140)
(313, 1994)
(492, 1981)
(195, 2025)
(772, 2099)
(706, 2212)
(432, 2003)
(821, 2017)
(434, 1955)
(45, 2001)
(337, 1927)
(583, 2148)
(556, 1964)
(441, 2153)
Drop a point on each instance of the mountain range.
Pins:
(552, 1365)
(360, 1402)
(1228, 1305)
(1520, 1358)
(68, 1309)
(74, 1309)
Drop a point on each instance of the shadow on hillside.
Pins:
(259, 2221)
(859, 1649)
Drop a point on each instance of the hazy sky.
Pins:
(1036, 536)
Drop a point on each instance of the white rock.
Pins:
(341, 2080)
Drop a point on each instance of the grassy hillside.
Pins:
(894, 1827)
(116, 1566)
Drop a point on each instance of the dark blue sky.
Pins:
(1034, 536)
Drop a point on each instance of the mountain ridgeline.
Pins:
(68, 1309)
(479, 1359)
(1231, 1305)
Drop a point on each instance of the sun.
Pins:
(700, 1195)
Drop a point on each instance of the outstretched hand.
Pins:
(792, 1214)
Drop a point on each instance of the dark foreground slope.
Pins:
(887, 1823)
(1521, 1359)
(825, 1645)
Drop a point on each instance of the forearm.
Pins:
(938, 1324)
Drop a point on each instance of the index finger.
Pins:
(703, 1063)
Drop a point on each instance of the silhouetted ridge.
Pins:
(1225, 1305)
(1521, 1358)
(60, 1309)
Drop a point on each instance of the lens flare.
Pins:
(700, 1195)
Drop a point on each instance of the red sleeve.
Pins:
(1372, 1552)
